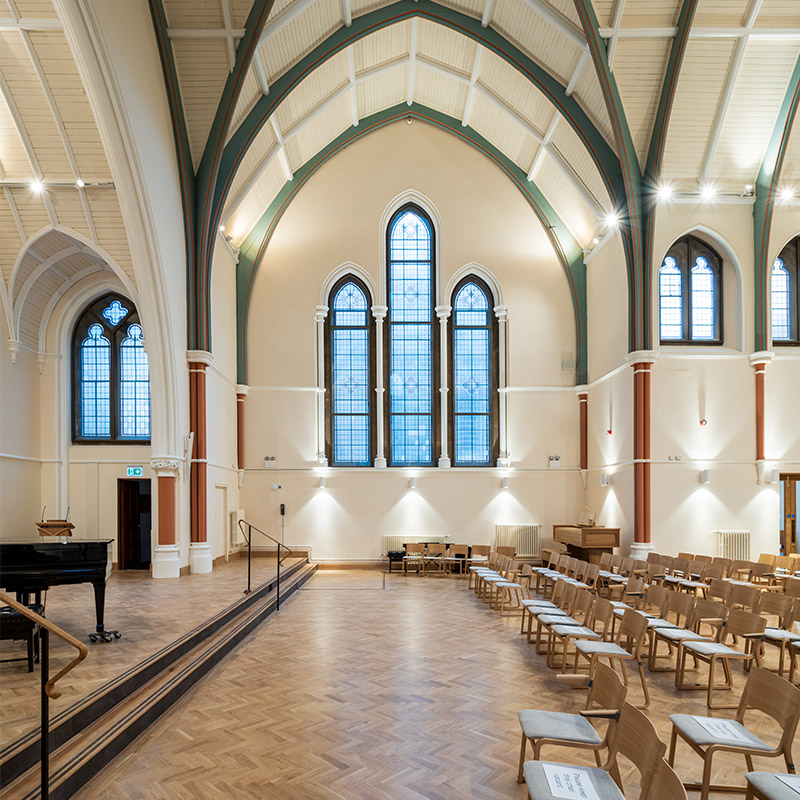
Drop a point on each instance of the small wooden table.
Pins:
(587, 542)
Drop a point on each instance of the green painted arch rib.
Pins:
(602, 154)
(763, 210)
(208, 170)
(658, 140)
(639, 334)
(568, 250)
(182, 150)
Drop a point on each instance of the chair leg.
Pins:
(672, 745)
(644, 685)
(520, 777)
(705, 788)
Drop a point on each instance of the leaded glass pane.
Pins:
(411, 339)
(472, 375)
(96, 384)
(703, 301)
(350, 306)
(350, 379)
(473, 439)
(781, 302)
(471, 306)
(115, 312)
(670, 289)
(134, 386)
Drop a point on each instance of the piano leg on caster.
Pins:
(101, 634)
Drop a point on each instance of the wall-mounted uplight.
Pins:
(705, 476)
(605, 479)
(322, 482)
(413, 483)
(504, 483)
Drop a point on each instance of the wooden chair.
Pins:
(783, 636)
(719, 590)
(768, 786)
(687, 556)
(725, 563)
(764, 692)
(434, 558)
(581, 612)
(478, 555)
(415, 552)
(635, 739)
(597, 627)
(677, 571)
(704, 559)
(695, 578)
(531, 607)
(767, 558)
(750, 627)
(546, 618)
(627, 646)
(456, 557)
(795, 652)
(540, 728)
(745, 597)
(507, 550)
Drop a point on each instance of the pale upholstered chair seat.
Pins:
(713, 649)
(557, 725)
(573, 631)
(771, 786)
(533, 602)
(541, 606)
(602, 648)
(556, 619)
(539, 789)
(657, 622)
(779, 634)
(696, 733)
(681, 635)
(693, 585)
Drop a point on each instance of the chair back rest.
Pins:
(552, 561)
(793, 587)
(584, 600)
(707, 610)
(636, 739)
(741, 622)
(606, 689)
(615, 563)
(558, 592)
(580, 570)
(774, 696)
(696, 570)
(666, 561)
(631, 632)
(679, 565)
(686, 556)
(634, 586)
(704, 559)
(720, 590)
(458, 550)
(435, 549)
(526, 571)
(767, 558)
(591, 575)
(568, 601)
(773, 604)
(652, 558)
(666, 784)
(714, 572)
(605, 561)
(507, 550)
(745, 596)
(759, 572)
(481, 550)
(784, 563)
(681, 605)
(626, 566)
(602, 614)
(739, 569)
(415, 548)
(726, 563)
(572, 564)
(658, 598)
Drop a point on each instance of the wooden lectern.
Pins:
(55, 527)
(587, 542)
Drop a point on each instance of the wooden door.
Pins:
(789, 513)
(133, 526)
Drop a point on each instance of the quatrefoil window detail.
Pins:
(115, 312)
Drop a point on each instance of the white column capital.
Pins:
(501, 312)
(583, 389)
(443, 312)
(641, 357)
(165, 467)
(761, 357)
(241, 390)
(321, 313)
(380, 312)
(13, 348)
(199, 357)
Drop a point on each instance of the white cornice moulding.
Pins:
(761, 357)
(641, 357)
(199, 357)
(165, 466)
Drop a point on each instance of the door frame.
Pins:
(121, 563)
(788, 533)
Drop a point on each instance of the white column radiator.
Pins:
(524, 538)
(396, 541)
(733, 544)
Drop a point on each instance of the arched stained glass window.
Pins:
(785, 296)
(350, 375)
(669, 281)
(690, 294)
(412, 397)
(111, 377)
(95, 368)
(473, 375)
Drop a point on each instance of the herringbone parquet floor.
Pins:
(368, 685)
(151, 614)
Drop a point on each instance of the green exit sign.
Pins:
(135, 472)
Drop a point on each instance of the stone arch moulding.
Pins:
(411, 196)
(768, 297)
(348, 268)
(728, 253)
(483, 273)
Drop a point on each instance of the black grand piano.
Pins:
(31, 567)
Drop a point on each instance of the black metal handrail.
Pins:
(49, 690)
(249, 538)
